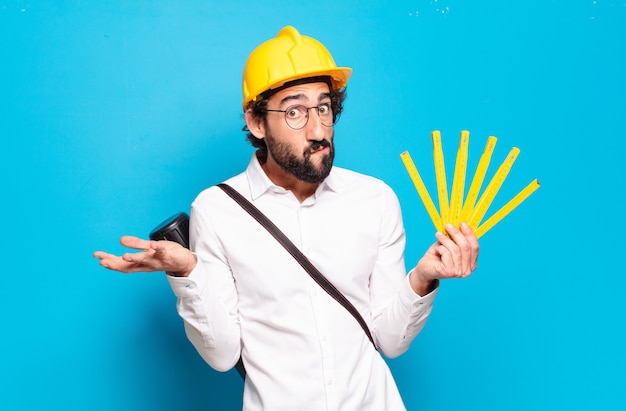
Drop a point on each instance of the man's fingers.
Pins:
(474, 246)
(452, 257)
(112, 262)
(445, 263)
(129, 262)
(458, 251)
(135, 242)
(101, 254)
(151, 256)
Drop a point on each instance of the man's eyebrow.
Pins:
(291, 97)
(302, 96)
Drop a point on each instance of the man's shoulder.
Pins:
(213, 193)
(354, 179)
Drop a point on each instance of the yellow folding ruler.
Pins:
(474, 208)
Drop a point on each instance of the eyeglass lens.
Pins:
(297, 116)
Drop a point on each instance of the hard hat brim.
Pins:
(339, 78)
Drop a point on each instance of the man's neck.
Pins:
(301, 189)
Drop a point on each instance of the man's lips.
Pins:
(321, 149)
(316, 146)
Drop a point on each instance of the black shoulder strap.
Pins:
(297, 254)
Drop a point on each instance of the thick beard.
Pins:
(302, 168)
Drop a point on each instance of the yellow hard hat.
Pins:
(289, 56)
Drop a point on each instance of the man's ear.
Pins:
(255, 124)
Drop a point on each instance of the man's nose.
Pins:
(315, 128)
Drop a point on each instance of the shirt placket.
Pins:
(317, 297)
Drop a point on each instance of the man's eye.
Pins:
(323, 109)
(294, 112)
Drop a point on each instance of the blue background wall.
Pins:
(114, 115)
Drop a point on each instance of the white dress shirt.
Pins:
(248, 296)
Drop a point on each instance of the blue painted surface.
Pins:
(114, 115)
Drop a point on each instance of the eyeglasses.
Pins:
(297, 116)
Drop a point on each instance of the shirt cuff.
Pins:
(414, 299)
(191, 285)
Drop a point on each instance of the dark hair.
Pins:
(259, 110)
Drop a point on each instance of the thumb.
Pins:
(135, 242)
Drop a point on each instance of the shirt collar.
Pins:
(260, 182)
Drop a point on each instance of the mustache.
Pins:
(316, 145)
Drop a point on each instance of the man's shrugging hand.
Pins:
(154, 256)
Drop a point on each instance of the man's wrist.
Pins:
(186, 272)
(421, 286)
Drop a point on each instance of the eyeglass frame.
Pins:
(335, 118)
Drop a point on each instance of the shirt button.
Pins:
(329, 382)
